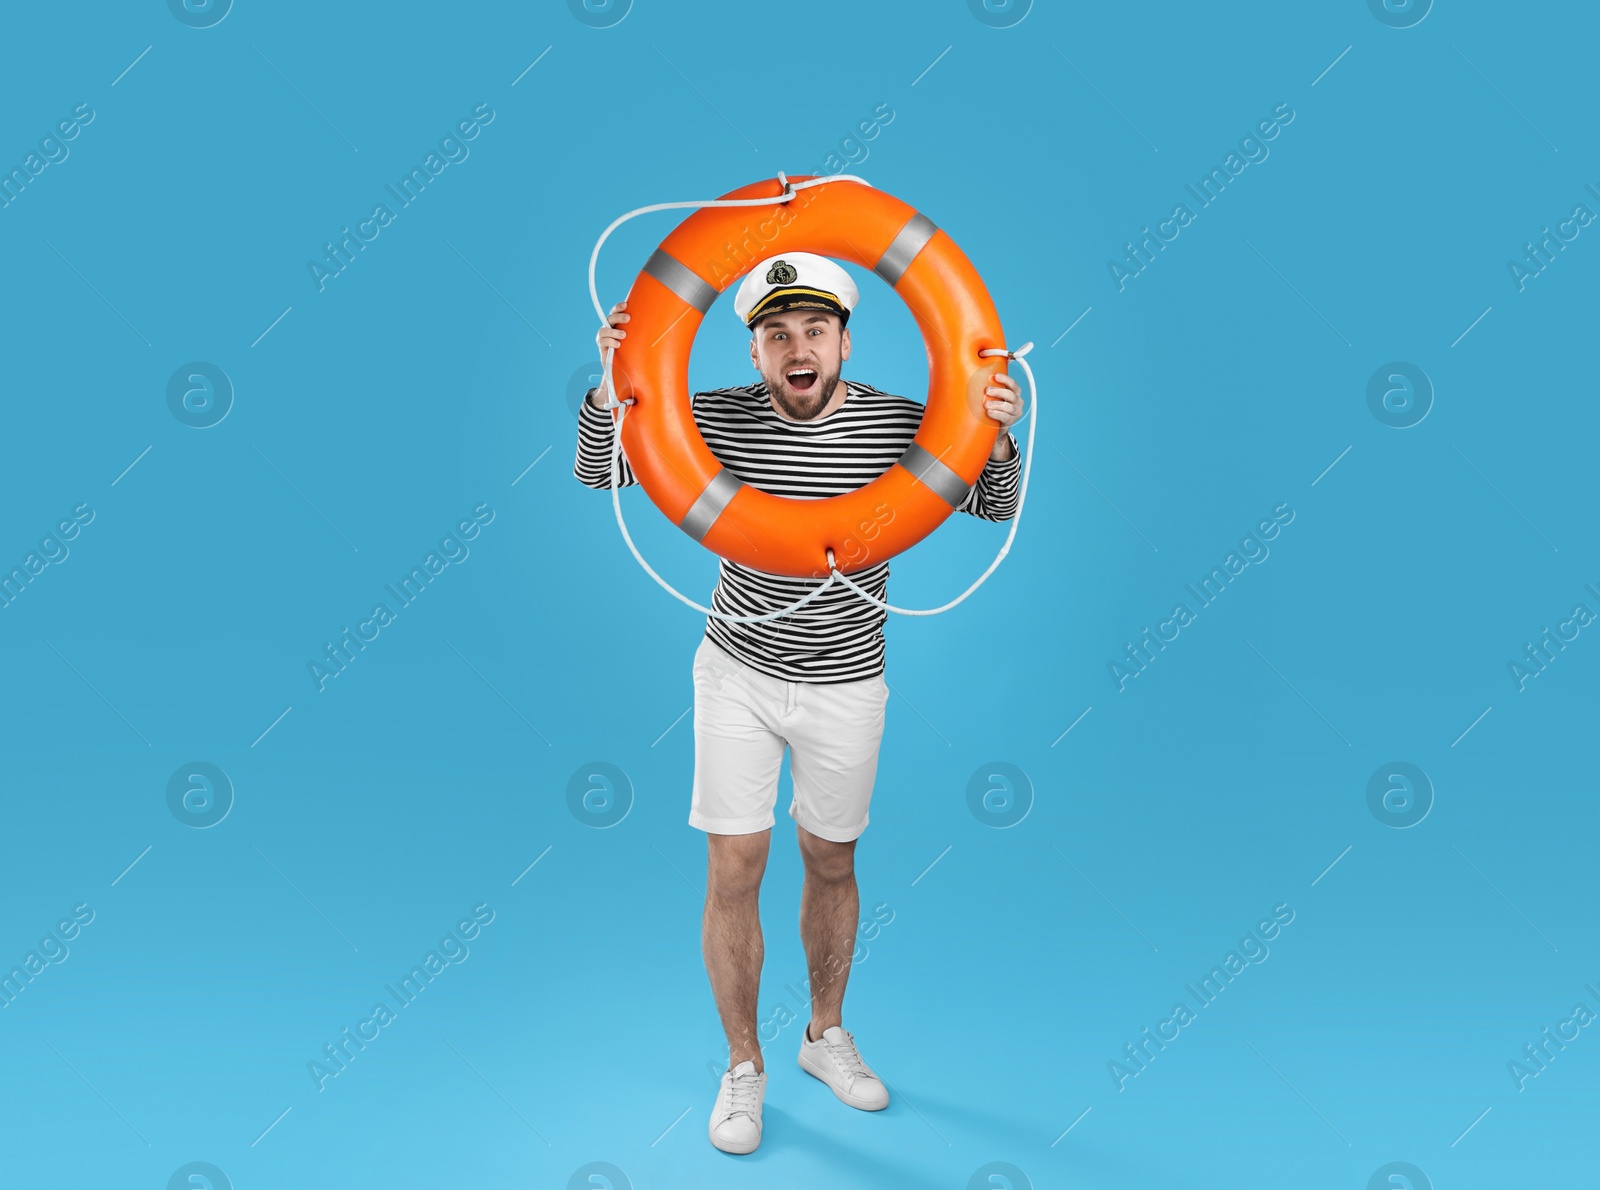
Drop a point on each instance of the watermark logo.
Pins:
(338, 656)
(1140, 253)
(53, 149)
(598, 1175)
(587, 376)
(1535, 657)
(1399, 1175)
(599, 794)
(999, 1175)
(999, 794)
(584, 377)
(1399, 795)
(1400, 395)
(1400, 14)
(199, 1175)
(1251, 951)
(452, 951)
(600, 14)
(199, 794)
(200, 395)
(51, 951)
(781, 1016)
(1540, 255)
(201, 14)
(1253, 549)
(1000, 14)
(1537, 1055)
(340, 253)
(53, 549)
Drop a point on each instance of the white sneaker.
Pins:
(835, 1061)
(736, 1118)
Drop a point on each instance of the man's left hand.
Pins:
(1003, 402)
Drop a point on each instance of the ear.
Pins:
(754, 362)
(844, 344)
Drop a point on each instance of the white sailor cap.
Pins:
(795, 281)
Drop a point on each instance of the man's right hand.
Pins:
(609, 338)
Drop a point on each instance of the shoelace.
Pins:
(845, 1057)
(742, 1090)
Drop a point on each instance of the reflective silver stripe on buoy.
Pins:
(679, 278)
(934, 474)
(903, 249)
(708, 505)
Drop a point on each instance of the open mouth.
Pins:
(802, 380)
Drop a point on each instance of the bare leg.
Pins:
(829, 908)
(730, 936)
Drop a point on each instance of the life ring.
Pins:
(708, 252)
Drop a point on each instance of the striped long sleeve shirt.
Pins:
(837, 637)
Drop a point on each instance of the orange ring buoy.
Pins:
(711, 250)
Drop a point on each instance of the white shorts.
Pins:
(743, 719)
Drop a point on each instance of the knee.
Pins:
(829, 862)
(734, 881)
(734, 868)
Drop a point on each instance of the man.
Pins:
(811, 680)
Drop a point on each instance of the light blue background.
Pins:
(1230, 377)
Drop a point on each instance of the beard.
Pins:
(803, 406)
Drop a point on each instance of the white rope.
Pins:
(616, 504)
(790, 190)
(1016, 519)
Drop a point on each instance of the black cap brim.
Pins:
(781, 300)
